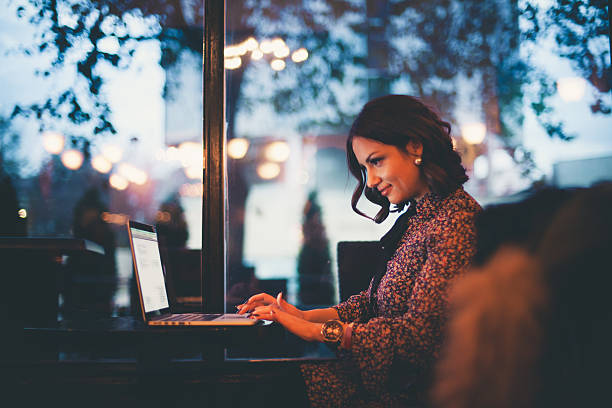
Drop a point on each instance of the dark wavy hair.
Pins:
(398, 120)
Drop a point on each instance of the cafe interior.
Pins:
(223, 124)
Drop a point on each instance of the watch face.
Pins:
(332, 331)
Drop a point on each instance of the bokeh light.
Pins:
(268, 171)
(277, 151)
(474, 133)
(53, 142)
(299, 55)
(101, 164)
(237, 148)
(118, 182)
(277, 64)
(571, 89)
(72, 159)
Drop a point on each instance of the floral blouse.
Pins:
(404, 336)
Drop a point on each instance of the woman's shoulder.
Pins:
(460, 201)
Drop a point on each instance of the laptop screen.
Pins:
(149, 270)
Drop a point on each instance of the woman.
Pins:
(388, 335)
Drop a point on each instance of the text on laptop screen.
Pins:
(150, 272)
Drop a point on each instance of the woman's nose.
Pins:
(372, 180)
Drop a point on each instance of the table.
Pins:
(157, 365)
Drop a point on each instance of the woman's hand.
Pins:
(302, 328)
(263, 299)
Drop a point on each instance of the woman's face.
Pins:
(390, 170)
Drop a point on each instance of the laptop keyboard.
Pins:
(192, 317)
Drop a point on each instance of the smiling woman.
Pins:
(389, 334)
(395, 136)
(392, 171)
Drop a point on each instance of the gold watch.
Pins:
(332, 332)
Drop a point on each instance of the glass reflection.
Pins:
(91, 91)
(501, 75)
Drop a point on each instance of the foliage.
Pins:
(427, 43)
(581, 32)
(80, 27)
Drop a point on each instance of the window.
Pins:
(100, 121)
(525, 85)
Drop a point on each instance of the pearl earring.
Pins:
(418, 161)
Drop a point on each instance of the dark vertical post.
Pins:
(213, 200)
(610, 27)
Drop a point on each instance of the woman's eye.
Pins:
(376, 161)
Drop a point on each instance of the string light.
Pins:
(571, 89)
(53, 142)
(277, 64)
(101, 164)
(233, 63)
(72, 159)
(299, 55)
(277, 47)
(473, 133)
(237, 148)
(132, 173)
(277, 151)
(118, 182)
(268, 171)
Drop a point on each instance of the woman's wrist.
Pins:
(344, 342)
(347, 341)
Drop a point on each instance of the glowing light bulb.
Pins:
(72, 159)
(118, 182)
(266, 46)
(473, 133)
(299, 55)
(277, 64)
(190, 154)
(233, 63)
(571, 89)
(193, 172)
(277, 151)
(251, 44)
(53, 142)
(132, 173)
(101, 164)
(237, 148)
(282, 52)
(268, 171)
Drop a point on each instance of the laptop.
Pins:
(152, 288)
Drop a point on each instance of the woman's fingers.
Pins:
(268, 312)
(300, 327)
(254, 301)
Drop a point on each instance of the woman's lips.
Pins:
(385, 191)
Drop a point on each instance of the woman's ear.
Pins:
(414, 148)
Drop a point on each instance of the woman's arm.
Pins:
(320, 315)
(263, 299)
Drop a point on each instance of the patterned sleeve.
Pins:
(355, 308)
(414, 337)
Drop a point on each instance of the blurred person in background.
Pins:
(91, 279)
(531, 325)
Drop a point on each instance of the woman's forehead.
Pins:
(364, 143)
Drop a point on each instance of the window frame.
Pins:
(214, 164)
